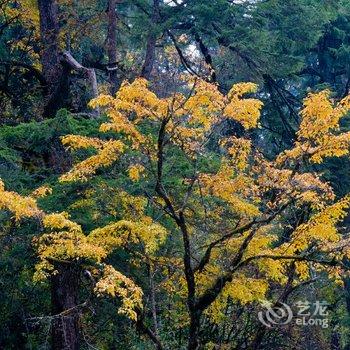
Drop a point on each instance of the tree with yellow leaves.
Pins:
(230, 219)
(64, 252)
(227, 218)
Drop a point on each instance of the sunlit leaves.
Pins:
(115, 284)
(135, 172)
(319, 136)
(245, 111)
(108, 153)
(20, 206)
(150, 235)
(240, 213)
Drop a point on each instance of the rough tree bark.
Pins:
(89, 73)
(53, 71)
(151, 43)
(56, 66)
(112, 45)
(49, 31)
(64, 301)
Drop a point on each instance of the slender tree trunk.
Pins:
(194, 312)
(151, 43)
(64, 300)
(346, 281)
(335, 338)
(192, 303)
(153, 298)
(207, 57)
(112, 45)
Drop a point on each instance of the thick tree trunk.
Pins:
(326, 58)
(112, 45)
(56, 66)
(151, 43)
(64, 301)
(193, 339)
(150, 57)
(53, 72)
(49, 31)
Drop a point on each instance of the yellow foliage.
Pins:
(133, 98)
(124, 232)
(245, 111)
(303, 270)
(243, 206)
(65, 246)
(242, 289)
(115, 284)
(26, 11)
(135, 172)
(68, 243)
(318, 135)
(304, 187)
(239, 150)
(190, 119)
(274, 270)
(233, 190)
(204, 105)
(321, 228)
(59, 221)
(132, 207)
(42, 191)
(65, 242)
(110, 152)
(20, 206)
(75, 142)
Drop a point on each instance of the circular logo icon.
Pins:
(275, 315)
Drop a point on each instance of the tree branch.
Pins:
(236, 231)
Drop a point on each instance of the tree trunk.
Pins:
(207, 57)
(326, 59)
(193, 339)
(194, 312)
(112, 45)
(335, 339)
(49, 31)
(56, 66)
(88, 73)
(346, 281)
(52, 69)
(153, 298)
(151, 43)
(64, 301)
